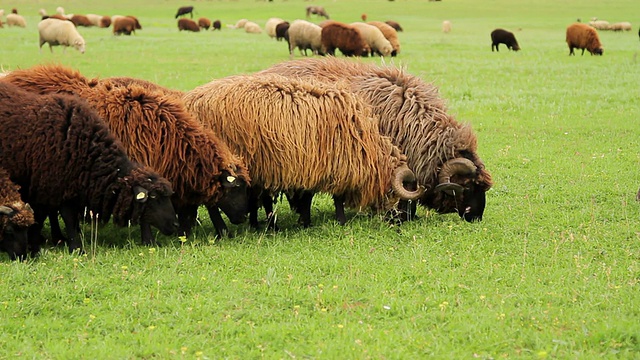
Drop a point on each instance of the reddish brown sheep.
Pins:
(441, 151)
(344, 37)
(81, 20)
(204, 23)
(188, 25)
(583, 36)
(184, 10)
(304, 135)
(15, 219)
(217, 25)
(501, 36)
(156, 130)
(64, 158)
(105, 22)
(124, 25)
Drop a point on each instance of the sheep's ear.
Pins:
(142, 194)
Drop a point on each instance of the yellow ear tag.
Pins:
(140, 196)
(231, 179)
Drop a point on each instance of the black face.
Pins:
(473, 203)
(234, 201)
(597, 51)
(14, 242)
(159, 211)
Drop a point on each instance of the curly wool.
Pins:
(10, 197)
(153, 125)
(297, 134)
(59, 150)
(411, 112)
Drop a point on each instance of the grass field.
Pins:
(553, 271)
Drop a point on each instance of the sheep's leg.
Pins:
(72, 224)
(267, 204)
(218, 222)
(303, 208)
(338, 203)
(56, 232)
(186, 219)
(34, 233)
(253, 208)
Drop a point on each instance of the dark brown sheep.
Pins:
(501, 36)
(200, 166)
(217, 25)
(184, 10)
(394, 24)
(441, 151)
(188, 25)
(304, 135)
(15, 219)
(105, 22)
(346, 38)
(316, 10)
(281, 31)
(583, 36)
(64, 158)
(81, 20)
(204, 23)
(124, 25)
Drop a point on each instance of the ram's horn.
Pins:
(5, 210)
(457, 166)
(401, 175)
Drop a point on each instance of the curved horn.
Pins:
(400, 175)
(457, 166)
(5, 210)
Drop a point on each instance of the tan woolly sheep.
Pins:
(252, 28)
(60, 32)
(16, 20)
(305, 35)
(374, 38)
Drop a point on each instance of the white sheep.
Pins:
(620, 26)
(304, 35)
(239, 24)
(16, 20)
(599, 24)
(270, 26)
(446, 26)
(252, 28)
(390, 34)
(42, 12)
(374, 38)
(95, 19)
(60, 32)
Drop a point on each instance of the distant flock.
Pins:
(351, 39)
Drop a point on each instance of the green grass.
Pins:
(553, 271)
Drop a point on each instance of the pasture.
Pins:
(553, 270)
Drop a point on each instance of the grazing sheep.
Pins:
(305, 35)
(15, 219)
(582, 36)
(446, 26)
(378, 44)
(620, 26)
(281, 31)
(363, 17)
(200, 166)
(239, 24)
(501, 36)
(204, 23)
(83, 166)
(60, 32)
(599, 24)
(304, 135)
(394, 25)
(99, 20)
(441, 151)
(344, 37)
(270, 26)
(252, 28)
(16, 20)
(390, 34)
(184, 10)
(124, 25)
(217, 25)
(316, 10)
(81, 20)
(188, 25)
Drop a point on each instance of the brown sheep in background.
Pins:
(217, 25)
(394, 25)
(441, 151)
(204, 23)
(346, 38)
(304, 135)
(316, 10)
(124, 25)
(583, 36)
(188, 25)
(15, 219)
(184, 10)
(281, 31)
(81, 20)
(200, 166)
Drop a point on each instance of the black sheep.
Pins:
(184, 10)
(62, 155)
(501, 36)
